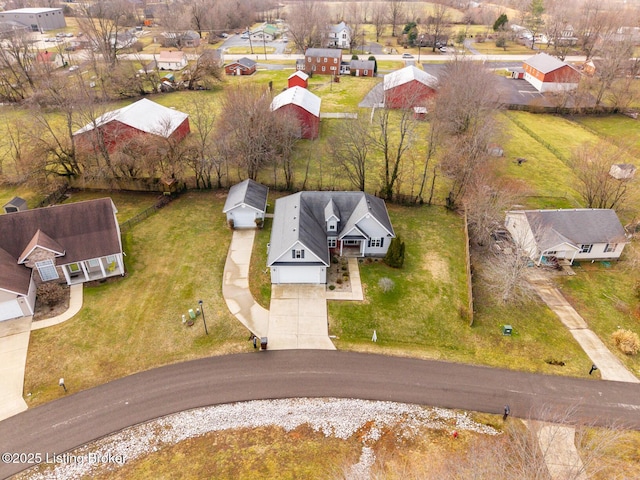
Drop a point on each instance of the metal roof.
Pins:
(301, 218)
(143, 115)
(300, 74)
(297, 96)
(545, 63)
(406, 75)
(579, 227)
(247, 192)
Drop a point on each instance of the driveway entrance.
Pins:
(298, 317)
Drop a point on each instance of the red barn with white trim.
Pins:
(550, 74)
(304, 105)
(143, 117)
(408, 87)
(298, 79)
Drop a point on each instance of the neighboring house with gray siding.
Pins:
(580, 234)
(310, 227)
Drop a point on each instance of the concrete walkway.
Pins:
(557, 444)
(235, 284)
(610, 367)
(14, 343)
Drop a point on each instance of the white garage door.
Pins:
(10, 309)
(243, 218)
(301, 275)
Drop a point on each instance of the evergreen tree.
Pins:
(500, 22)
(395, 254)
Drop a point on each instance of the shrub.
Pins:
(395, 254)
(231, 223)
(332, 287)
(626, 341)
(50, 294)
(386, 284)
(339, 281)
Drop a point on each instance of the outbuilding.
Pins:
(304, 105)
(408, 87)
(246, 204)
(298, 79)
(550, 74)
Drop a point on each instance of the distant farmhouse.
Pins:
(37, 19)
(550, 74)
(242, 66)
(323, 61)
(142, 118)
(309, 227)
(339, 36)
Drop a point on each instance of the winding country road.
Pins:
(72, 421)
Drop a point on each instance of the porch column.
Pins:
(66, 275)
(120, 264)
(85, 272)
(104, 274)
(575, 252)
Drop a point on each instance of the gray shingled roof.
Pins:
(246, 62)
(323, 52)
(247, 192)
(545, 63)
(577, 227)
(84, 229)
(17, 202)
(301, 217)
(362, 64)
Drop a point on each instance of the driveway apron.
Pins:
(14, 341)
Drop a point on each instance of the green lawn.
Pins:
(174, 258)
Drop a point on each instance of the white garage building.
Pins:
(246, 204)
(310, 227)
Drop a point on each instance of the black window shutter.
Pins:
(293, 254)
(301, 253)
(382, 242)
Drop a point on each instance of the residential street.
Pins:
(63, 424)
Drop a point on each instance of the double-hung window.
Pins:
(586, 248)
(297, 253)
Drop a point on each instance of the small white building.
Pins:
(246, 204)
(169, 60)
(622, 171)
(580, 234)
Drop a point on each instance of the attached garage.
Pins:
(10, 309)
(298, 274)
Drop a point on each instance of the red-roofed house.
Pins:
(304, 105)
(298, 79)
(169, 60)
(408, 87)
(143, 117)
(550, 74)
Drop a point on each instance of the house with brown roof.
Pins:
(71, 243)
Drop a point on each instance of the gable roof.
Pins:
(578, 227)
(13, 277)
(545, 63)
(299, 73)
(362, 64)
(171, 56)
(143, 115)
(17, 202)
(340, 27)
(406, 75)
(41, 240)
(297, 96)
(247, 192)
(323, 52)
(245, 62)
(301, 218)
(83, 230)
(46, 57)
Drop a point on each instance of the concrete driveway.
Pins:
(298, 318)
(14, 341)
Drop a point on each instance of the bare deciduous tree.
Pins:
(351, 149)
(378, 19)
(591, 164)
(395, 14)
(437, 24)
(17, 59)
(307, 24)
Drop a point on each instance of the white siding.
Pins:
(518, 227)
(243, 217)
(10, 309)
(597, 252)
(298, 274)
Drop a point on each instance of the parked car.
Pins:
(73, 68)
(443, 49)
(224, 35)
(244, 36)
(407, 55)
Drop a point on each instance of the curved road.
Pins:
(72, 421)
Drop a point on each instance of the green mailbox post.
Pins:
(506, 329)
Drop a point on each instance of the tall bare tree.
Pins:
(591, 164)
(437, 25)
(395, 14)
(307, 24)
(17, 67)
(378, 18)
(351, 148)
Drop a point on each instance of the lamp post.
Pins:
(203, 319)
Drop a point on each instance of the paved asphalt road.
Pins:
(79, 418)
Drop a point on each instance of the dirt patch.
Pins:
(437, 266)
(42, 311)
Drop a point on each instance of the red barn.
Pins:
(408, 87)
(143, 117)
(550, 74)
(304, 105)
(298, 79)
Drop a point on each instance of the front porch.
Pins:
(94, 269)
